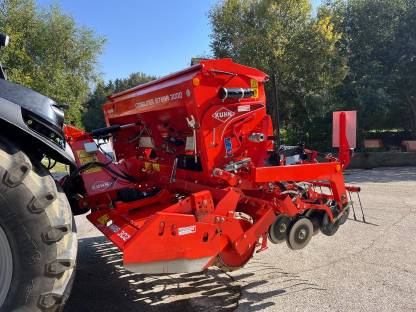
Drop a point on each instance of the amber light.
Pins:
(196, 82)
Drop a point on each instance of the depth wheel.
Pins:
(278, 229)
(300, 234)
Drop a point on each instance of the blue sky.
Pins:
(156, 37)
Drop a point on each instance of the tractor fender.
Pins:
(13, 127)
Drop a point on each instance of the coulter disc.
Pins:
(300, 234)
(278, 229)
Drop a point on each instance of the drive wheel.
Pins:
(38, 242)
(6, 266)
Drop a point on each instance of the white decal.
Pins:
(190, 144)
(146, 142)
(114, 228)
(187, 230)
(223, 114)
(160, 100)
(102, 185)
(124, 235)
(175, 96)
(243, 108)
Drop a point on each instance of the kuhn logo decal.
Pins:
(223, 114)
(102, 185)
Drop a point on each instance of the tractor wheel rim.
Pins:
(6, 266)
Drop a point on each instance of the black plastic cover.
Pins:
(18, 104)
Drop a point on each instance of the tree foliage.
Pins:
(403, 72)
(378, 39)
(49, 53)
(354, 54)
(93, 117)
(283, 37)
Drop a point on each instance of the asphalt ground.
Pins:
(363, 267)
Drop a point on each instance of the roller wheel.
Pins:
(300, 234)
(327, 227)
(278, 229)
(229, 260)
(38, 242)
(316, 222)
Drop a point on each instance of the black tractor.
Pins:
(38, 241)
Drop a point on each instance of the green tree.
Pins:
(283, 37)
(49, 53)
(93, 116)
(402, 53)
(378, 39)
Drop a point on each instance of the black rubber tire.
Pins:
(38, 223)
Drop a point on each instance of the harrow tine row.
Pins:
(361, 206)
(353, 208)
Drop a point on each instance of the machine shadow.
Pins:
(102, 284)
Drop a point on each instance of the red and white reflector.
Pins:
(350, 128)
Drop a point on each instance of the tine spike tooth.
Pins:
(361, 206)
(352, 206)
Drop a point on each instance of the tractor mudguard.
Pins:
(32, 120)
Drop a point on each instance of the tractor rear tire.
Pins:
(38, 241)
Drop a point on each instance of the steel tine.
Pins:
(352, 206)
(361, 206)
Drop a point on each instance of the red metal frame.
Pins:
(210, 177)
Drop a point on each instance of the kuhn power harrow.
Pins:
(197, 179)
